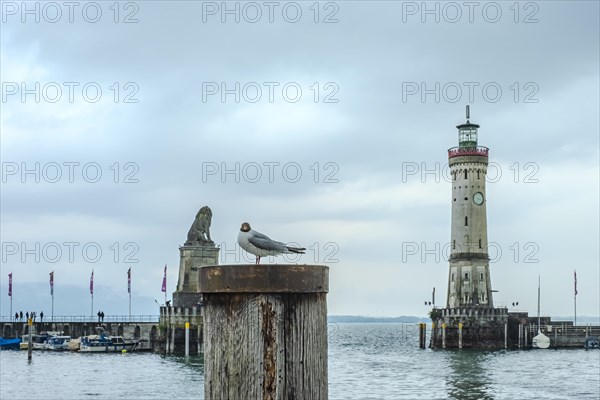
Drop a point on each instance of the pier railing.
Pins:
(566, 329)
(85, 318)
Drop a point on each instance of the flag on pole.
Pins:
(129, 280)
(575, 276)
(10, 284)
(164, 282)
(52, 283)
(92, 283)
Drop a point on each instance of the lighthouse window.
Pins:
(479, 243)
(481, 276)
(452, 279)
(466, 276)
(466, 221)
(478, 174)
(454, 244)
(465, 174)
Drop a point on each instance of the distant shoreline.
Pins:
(341, 319)
(387, 320)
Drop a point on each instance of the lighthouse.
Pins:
(469, 281)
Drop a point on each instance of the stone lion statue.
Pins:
(200, 230)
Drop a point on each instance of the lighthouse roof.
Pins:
(467, 125)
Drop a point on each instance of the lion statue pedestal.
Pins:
(198, 251)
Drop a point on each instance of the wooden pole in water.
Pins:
(30, 338)
(460, 342)
(265, 331)
(187, 339)
(443, 335)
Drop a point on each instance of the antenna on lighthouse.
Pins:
(468, 113)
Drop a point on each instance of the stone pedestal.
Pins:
(193, 257)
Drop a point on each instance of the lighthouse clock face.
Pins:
(478, 198)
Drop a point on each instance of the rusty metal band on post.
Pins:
(264, 278)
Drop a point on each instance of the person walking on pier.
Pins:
(27, 315)
(99, 315)
(16, 316)
(102, 315)
(21, 316)
(41, 316)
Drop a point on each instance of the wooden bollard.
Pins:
(443, 335)
(265, 331)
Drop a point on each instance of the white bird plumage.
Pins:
(261, 245)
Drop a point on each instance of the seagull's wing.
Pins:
(263, 242)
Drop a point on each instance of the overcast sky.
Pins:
(325, 124)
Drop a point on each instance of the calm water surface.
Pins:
(366, 361)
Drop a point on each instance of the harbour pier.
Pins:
(499, 329)
(143, 328)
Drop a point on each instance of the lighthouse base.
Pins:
(470, 327)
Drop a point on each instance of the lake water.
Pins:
(366, 361)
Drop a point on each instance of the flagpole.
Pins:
(92, 294)
(575, 297)
(575, 301)
(129, 290)
(52, 294)
(10, 292)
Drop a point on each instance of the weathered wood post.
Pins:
(265, 331)
(29, 338)
(443, 335)
(460, 342)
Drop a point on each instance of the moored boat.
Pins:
(9, 343)
(104, 343)
(74, 344)
(57, 343)
(37, 341)
(591, 343)
(540, 341)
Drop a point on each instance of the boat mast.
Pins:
(539, 330)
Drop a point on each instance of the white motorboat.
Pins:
(104, 343)
(37, 341)
(57, 343)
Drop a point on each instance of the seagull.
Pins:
(261, 245)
